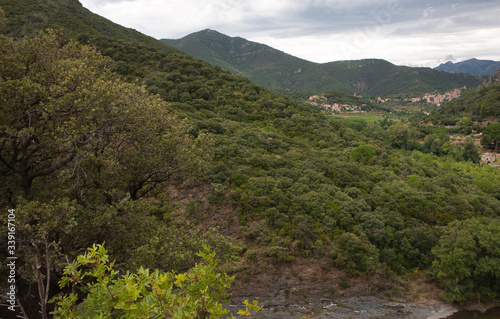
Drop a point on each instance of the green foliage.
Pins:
(138, 233)
(436, 143)
(468, 260)
(491, 135)
(199, 293)
(45, 227)
(470, 152)
(250, 308)
(89, 132)
(465, 125)
(277, 70)
(403, 136)
(28, 18)
(363, 154)
(355, 253)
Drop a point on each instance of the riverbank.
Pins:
(364, 307)
(314, 290)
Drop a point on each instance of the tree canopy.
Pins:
(70, 123)
(468, 259)
(491, 135)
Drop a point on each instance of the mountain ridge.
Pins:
(76, 21)
(275, 69)
(472, 66)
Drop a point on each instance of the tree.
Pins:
(72, 124)
(363, 154)
(465, 125)
(199, 293)
(491, 135)
(355, 253)
(50, 233)
(468, 259)
(433, 144)
(470, 152)
(403, 136)
(42, 229)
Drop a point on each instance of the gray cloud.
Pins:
(319, 29)
(96, 3)
(450, 57)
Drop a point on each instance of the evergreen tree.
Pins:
(491, 135)
(71, 124)
(471, 153)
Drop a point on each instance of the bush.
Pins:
(199, 293)
(363, 154)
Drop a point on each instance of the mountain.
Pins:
(258, 62)
(493, 79)
(472, 66)
(278, 70)
(27, 18)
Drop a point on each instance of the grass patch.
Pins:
(369, 117)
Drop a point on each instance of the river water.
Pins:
(493, 313)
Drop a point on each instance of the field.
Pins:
(370, 117)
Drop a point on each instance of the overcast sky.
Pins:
(404, 32)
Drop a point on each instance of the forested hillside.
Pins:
(278, 70)
(113, 138)
(481, 105)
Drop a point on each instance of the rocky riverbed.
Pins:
(364, 307)
(316, 290)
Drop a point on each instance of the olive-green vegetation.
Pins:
(28, 17)
(277, 70)
(481, 106)
(491, 135)
(342, 97)
(94, 136)
(67, 114)
(78, 148)
(477, 105)
(260, 63)
(468, 259)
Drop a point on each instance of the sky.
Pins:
(404, 32)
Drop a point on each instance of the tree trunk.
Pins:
(26, 183)
(43, 289)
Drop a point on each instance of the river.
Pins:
(493, 313)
